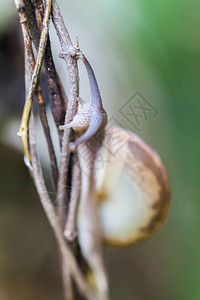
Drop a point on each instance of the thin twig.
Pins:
(70, 230)
(57, 96)
(66, 45)
(40, 100)
(82, 284)
(23, 131)
(88, 222)
(71, 62)
(67, 281)
(43, 117)
(39, 12)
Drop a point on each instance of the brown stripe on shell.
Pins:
(151, 160)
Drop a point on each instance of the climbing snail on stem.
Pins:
(132, 187)
(128, 187)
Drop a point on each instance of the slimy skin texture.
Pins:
(91, 117)
(132, 187)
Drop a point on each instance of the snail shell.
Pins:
(133, 193)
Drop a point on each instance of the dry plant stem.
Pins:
(29, 66)
(39, 10)
(88, 222)
(57, 96)
(43, 117)
(23, 131)
(82, 284)
(40, 100)
(70, 230)
(71, 62)
(67, 281)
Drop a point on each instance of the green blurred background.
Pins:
(150, 47)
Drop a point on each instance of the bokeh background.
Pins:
(150, 47)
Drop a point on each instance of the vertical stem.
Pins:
(30, 65)
(57, 96)
(83, 286)
(23, 131)
(70, 229)
(72, 68)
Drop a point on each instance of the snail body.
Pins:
(81, 119)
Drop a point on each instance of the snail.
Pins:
(125, 192)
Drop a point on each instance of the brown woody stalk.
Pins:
(71, 62)
(54, 88)
(23, 131)
(32, 87)
(57, 106)
(57, 96)
(38, 92)
(82, 284)
(67, 211)
(70, 230)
